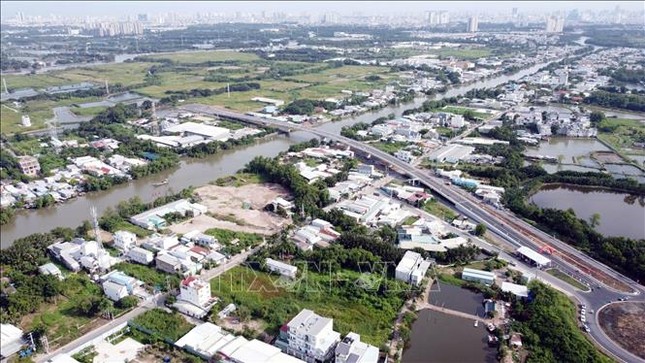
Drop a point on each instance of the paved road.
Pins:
(152, 302)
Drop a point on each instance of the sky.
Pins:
(123, 8)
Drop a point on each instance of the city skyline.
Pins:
(111, 8)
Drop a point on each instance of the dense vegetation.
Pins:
(549, 328)
(307, 106)
(161, 325)
(617, 100)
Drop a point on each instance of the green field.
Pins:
(352, 308)
(463, 53)
(389, 147)
(124, 73)
(206, 56)
(61, 318)
(437, 209)
(462, 110)
(568, 279)
(39, 112)
(622, 133)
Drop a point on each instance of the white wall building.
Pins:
(195, 291)
(309, 337)
(114, 291)
(140, 255)
(124, 240)
(352, 350)
(282, 268)
(412, 268)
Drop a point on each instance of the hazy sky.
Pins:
(117, 8)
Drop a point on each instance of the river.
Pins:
(621, 214)
(201, 171)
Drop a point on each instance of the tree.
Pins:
(594, 220)
(128, 302)
(596, 117)
(480, 229)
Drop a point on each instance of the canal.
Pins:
(621, 214)
(201, 171)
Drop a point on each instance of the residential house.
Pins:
(309, 337)
(281, 268)
(140, 255)
(412, 268)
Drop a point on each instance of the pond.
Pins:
(569, 148)
(455, 298)
(621, 214)
(438, 337)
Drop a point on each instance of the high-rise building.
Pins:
(515, 13)
(554, 25)
(142, 17)
(473, 24)
(437, 17)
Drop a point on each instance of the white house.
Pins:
(10, 340)
(282, 268)
(114, 291)
(50, 269)
(404, 155)
(352, 350)
(412, 268)
(140, 255)
(125, 240)
(309, 336)
(195, 291)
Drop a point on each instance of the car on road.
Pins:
(586, 328)
(583, 319)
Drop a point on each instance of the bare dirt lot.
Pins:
(607, 157)
(623, 323)
(238, 209)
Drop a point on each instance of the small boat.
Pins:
(163, 182)
(476, 323)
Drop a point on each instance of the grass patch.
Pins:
(410, 220)
(353, 308)
(127, 226)
(390, 147)
(88, 111)
(164, 325)
(568, 279)
(238, 180)
(451, 280)
(149, 275)
(231, 125)
(438, 209)
(206, 56)
(234, 242)
(462, 53)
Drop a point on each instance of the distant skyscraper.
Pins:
(142, 17)
(437, 17)
(554, 25)
(20, 16)
(473, 24)
(515, 13)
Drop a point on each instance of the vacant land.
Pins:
(623, 323)
(62, 319)
(237, 208)
(275, 301)
(462, 53)
(437, 209)
(622, 134)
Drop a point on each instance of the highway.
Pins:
(504, 224)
